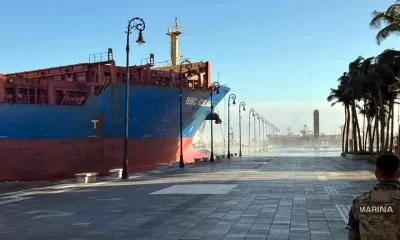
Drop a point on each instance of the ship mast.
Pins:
(173, 33)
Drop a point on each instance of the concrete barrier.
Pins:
(197, 160)
(116, 173)
(86, 177)
(205, 159)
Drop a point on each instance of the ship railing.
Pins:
(147, 61)
(101, 57)
(44, 100)
(168, 63)
(163, 64)
(163, 78)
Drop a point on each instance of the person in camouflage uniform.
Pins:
(375, 215)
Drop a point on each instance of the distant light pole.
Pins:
(256, 115)
(251, 113)
(259, 132)
(241, 105)
(214, 87)
(188, 65)
(266, 133)
(263, 136)
(139, 25)
(233, 97)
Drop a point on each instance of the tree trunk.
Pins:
(387, 130)
(392, 125)
(370, 136)
(354, 127)
(344, 128)
(382, 118)
(376, 127)
(367, 138)
(358, 129)
(363, 129)
(346, 147)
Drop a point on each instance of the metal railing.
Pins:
(100, 57)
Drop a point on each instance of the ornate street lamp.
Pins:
(233, 97)
(256, 115)
(266, 134)
(214, 87)
(241, 105)
(188, 65)
(263, 137)
(259, 132)
(139, 25)
(251, 113)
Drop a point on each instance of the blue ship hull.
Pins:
(39, 142)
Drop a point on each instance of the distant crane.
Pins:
(305, 131)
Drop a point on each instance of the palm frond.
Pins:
(387, 31)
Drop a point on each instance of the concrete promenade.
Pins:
(259, 197)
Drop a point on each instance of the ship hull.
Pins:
(60, 159)
(44, 142)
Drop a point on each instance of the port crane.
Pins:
(305, 131)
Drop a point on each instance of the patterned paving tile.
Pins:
(260, 197)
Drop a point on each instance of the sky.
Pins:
(280, 57)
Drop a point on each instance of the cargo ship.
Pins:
(59, 121)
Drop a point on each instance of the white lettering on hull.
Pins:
(95, 123)
(199, 102)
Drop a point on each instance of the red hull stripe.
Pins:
(33, 160)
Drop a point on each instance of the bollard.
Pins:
(86, 177)
(116, 173)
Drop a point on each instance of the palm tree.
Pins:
(373, 83)
(391, 18)
(336, 96)
(340, 95)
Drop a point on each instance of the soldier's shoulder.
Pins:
(364, 197)
(396, 195)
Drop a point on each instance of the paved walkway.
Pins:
(250, 198)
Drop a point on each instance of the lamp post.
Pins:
(214, 87)
(233, 97)
(266, 134)
(251, 113)
(256, 115)
(139, 25)
(263, 137)
(259, 132)
(241, 105)
(188, 65)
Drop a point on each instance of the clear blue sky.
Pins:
(265, 51)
